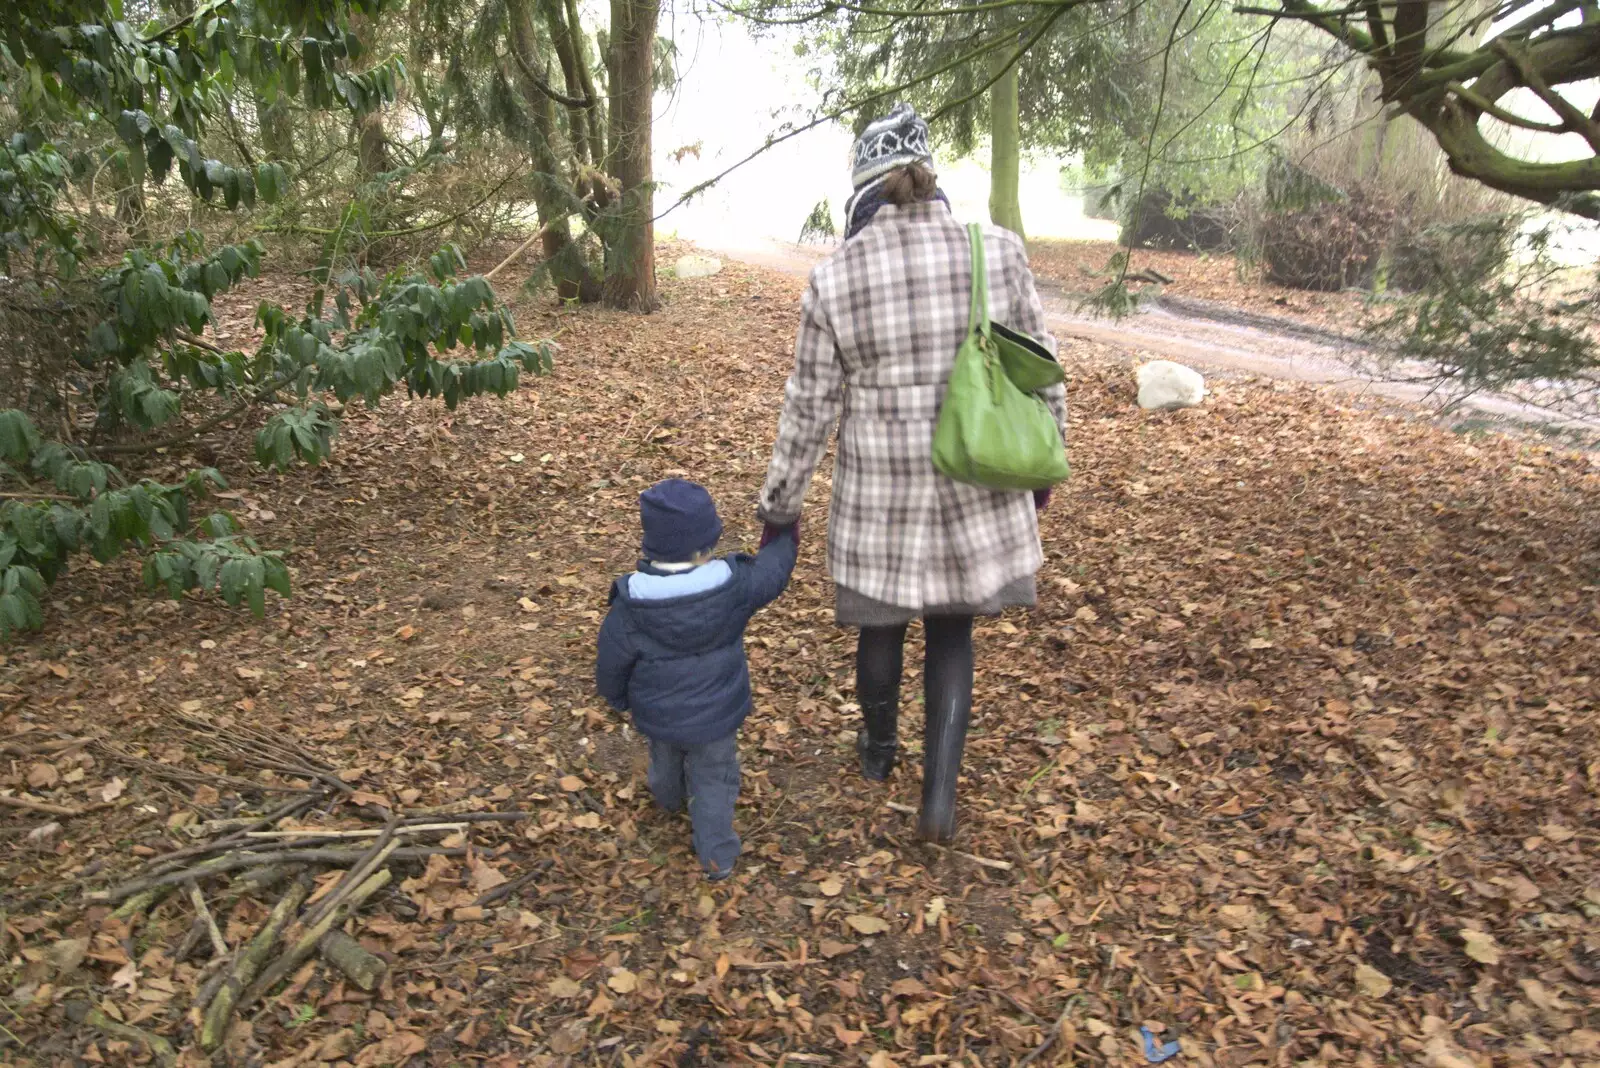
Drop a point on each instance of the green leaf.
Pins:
(18, 438)
(255, 571)
(277, 574)
(233, 581)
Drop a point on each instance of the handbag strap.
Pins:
(978, 316)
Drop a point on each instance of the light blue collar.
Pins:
(645, 587)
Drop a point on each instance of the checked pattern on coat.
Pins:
(880, 325)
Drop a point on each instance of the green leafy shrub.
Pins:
(106, 356)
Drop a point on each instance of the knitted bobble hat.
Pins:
(896, 140)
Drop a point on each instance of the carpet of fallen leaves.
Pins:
(1295, 762)
(1221, 278)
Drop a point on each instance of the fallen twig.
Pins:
(238, 861)
(138, 903)
(374, 859)
(996, 865)
(189, 778)
(519, 250)
(505, 890)
(371, 832)
(81, 1012)
(904, 810)
(238, 827)
(777, 965)
(414, 816)
(306, 944)
(39, 806)
(219, 946)
(219, 1013)
(1052, 1037)
(361, 967)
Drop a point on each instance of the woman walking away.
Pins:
(880, 325)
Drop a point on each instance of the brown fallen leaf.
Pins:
(1371, 982)
(563, 987)
(338, 1046)
(570, 1037)
(395, 1049)
(67, 954)
(42, 776)
(485, 876)
(867, 925)
(1481, 946)
(623, 981)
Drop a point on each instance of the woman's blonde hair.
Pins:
(912, 184)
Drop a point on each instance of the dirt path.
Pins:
(1217, 338)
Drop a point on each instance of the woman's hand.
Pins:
(771, 533)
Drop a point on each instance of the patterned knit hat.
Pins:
(898, 139)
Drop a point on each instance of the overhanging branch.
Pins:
(1449, 90)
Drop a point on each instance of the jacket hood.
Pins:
(693, 622)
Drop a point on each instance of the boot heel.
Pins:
(937, 821)
(877, 758)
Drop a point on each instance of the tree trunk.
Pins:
(1005, 139)
(277, 128)
(552, 193)
(561, 36)
(596, 114)
(630, 270)
(372, 145)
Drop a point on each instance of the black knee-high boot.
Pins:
(879, 656)
(947, 688)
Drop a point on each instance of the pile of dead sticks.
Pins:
(301, 924)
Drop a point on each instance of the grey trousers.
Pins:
(705, 780)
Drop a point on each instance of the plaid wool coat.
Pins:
(880, 325)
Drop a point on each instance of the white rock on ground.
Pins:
(693, 266)
(1167, 385)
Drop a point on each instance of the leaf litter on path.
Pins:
(1307, 715)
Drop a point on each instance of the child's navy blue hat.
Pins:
(679, 519)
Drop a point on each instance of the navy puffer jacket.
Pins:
(672, 645)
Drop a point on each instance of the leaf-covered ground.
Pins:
(1295, 762)
(1076, 266)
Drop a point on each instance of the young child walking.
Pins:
(672, 653)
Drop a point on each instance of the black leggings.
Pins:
(947, 669)
(947, 694)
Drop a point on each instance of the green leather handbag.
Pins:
(994, 429)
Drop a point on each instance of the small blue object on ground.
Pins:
(1157, 1052)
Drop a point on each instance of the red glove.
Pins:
(1041, 499)
(771, 533)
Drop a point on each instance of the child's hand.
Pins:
(770, 533)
